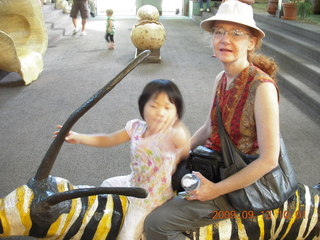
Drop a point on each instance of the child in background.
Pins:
(110, 29)
(158, 142)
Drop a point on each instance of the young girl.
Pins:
(157, 145)
(110, 29)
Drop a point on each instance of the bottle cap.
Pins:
(190, 182)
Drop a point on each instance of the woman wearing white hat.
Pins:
(248, 98)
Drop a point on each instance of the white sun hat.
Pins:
(233, 11)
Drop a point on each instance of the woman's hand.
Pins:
(206, 191)
(72, 137)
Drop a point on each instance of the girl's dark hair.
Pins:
(162, 86)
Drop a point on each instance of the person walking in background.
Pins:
(82, 6)
(110, 29)
(201, 5)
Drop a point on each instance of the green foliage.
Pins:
(304, 9)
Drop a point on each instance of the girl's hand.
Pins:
(163, 126)
(72, 137)
(206, 191)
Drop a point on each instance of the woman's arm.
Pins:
(266, 110)
(203, 133)
(97, 140)
(181, 140)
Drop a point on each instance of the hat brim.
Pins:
(207, 24)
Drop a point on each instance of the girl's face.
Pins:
(159, 113)
(231, 42)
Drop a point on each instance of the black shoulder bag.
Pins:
(270, 191)
(201, 159)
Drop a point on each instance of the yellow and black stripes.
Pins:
(298, 218)
(93, 217)
(15, 208)
(100, 217)
(78, 222)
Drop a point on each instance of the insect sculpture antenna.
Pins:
(52, 153)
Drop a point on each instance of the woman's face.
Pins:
(231, 42)
(159, 112)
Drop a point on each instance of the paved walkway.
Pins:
(76, 67)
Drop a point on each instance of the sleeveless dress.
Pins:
(152, 165)
(153, 162)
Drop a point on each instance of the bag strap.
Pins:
(227, 147)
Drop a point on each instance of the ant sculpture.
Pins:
(49, 207)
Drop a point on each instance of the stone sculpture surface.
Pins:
(23, 38)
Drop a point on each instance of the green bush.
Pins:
(304, 9)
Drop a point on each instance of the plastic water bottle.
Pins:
(190, 182)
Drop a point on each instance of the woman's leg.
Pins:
(168, 221)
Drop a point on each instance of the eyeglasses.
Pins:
(234, 34)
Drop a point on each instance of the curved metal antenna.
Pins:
(85, 192)
(52, 153)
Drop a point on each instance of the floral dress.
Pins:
(153, 161)
(152, 165)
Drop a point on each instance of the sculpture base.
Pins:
(154, 57)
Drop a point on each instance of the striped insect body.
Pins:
(23, 212)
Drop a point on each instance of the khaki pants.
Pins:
(82, 6)
(168, 221)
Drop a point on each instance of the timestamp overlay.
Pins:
(226, 214)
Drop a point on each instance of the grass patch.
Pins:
(260, 6)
